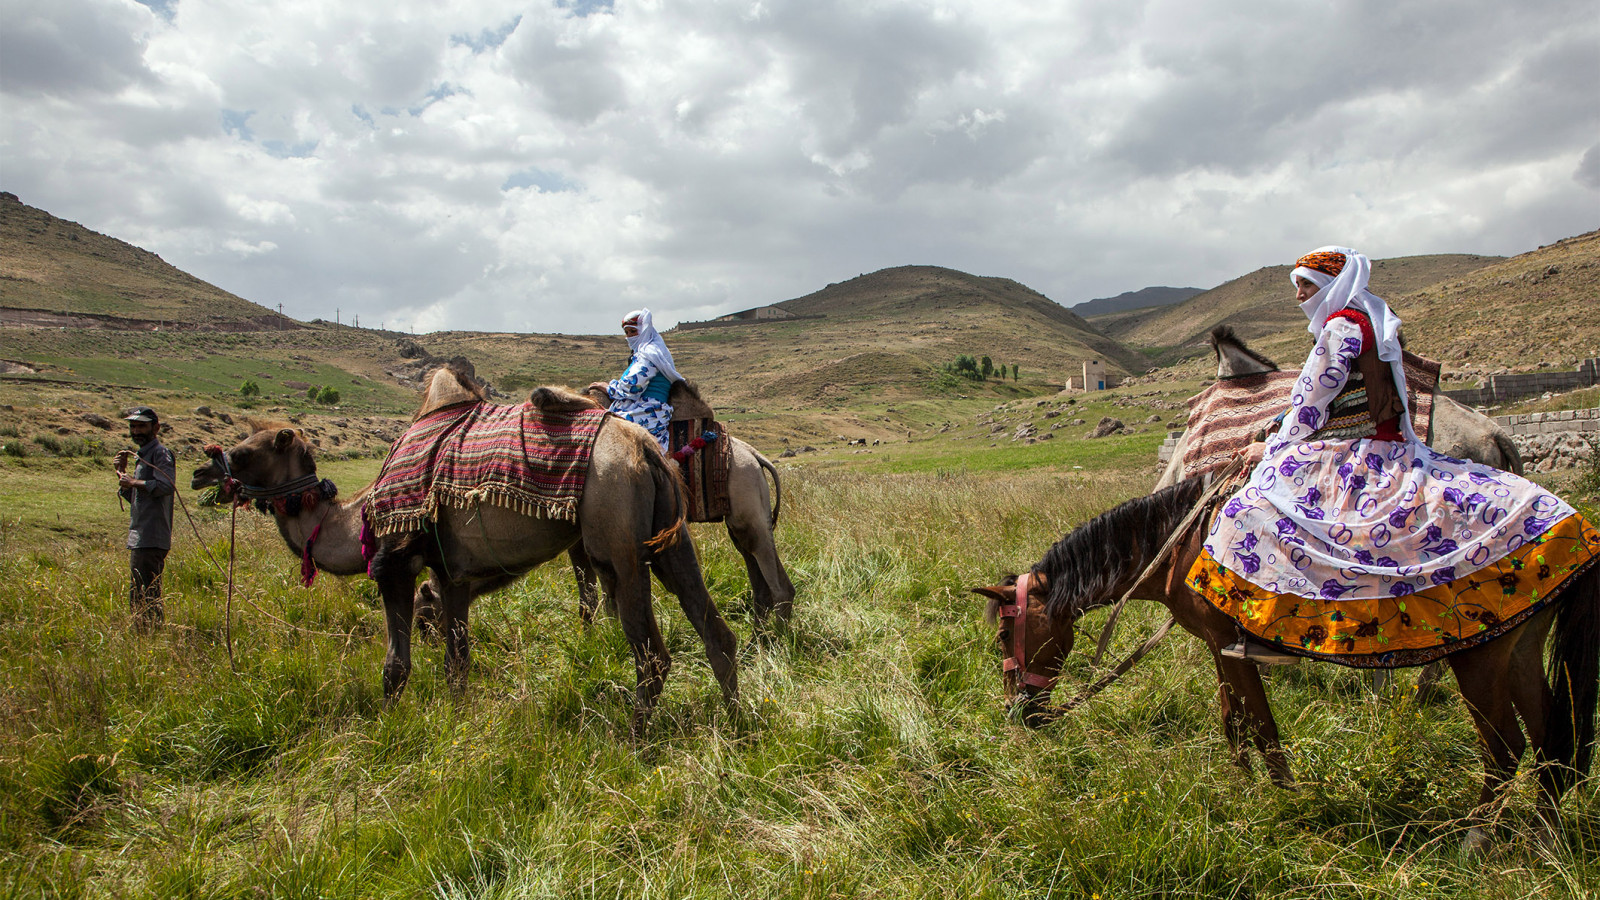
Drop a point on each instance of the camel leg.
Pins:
(454, 602)
(679, 570)
(396, 583)
(1428, 688)
(1482, 675)
(629, 588)
(1243, 680)
(427, 607)
(770, 588)
(588, 587)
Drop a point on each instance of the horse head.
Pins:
(1031, 644)
(271, 457)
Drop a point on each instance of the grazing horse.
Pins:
(1500, 679)
(629, 518)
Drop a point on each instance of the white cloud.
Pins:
(547, 166)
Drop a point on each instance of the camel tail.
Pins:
(1508, 449)
(777, 488)
(670, 519)
(1575, 680)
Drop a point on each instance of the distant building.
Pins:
(760, 313)
(1094, 378)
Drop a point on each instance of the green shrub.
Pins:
(14, 448)
(249, 389)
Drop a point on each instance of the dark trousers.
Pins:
(144, 592)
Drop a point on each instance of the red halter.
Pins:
(1018, 660)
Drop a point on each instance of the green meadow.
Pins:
(870, 756)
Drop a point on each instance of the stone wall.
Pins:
(1563, 439)
(1504, 388)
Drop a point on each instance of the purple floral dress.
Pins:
(1364, 518)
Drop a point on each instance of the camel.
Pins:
(1457, 430)
(629, 522)
(751, 524)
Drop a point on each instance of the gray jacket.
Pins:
(150, 526)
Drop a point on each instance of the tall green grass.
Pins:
(871, 757)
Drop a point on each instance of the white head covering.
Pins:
(1348, 290)
(647, 344)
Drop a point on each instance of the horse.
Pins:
(630, 521)
(1499, 679)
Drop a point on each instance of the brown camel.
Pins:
(629, 519)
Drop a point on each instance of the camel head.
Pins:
(274, 455)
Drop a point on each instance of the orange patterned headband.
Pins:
(1330, 263)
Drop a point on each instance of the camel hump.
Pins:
(449, 386)
(559, 401)
(686, 402)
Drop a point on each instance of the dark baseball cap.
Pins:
(142, 414)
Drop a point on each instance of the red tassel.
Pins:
(308, 567)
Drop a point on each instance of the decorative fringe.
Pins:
(468, 498)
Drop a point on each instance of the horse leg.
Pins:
(454, 602)
(588, 588)
(1232, 718)
(1242, 679)
(679, 570)
(770, 588)
(1482, 674)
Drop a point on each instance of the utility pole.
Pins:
(336, 315)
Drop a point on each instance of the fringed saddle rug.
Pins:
(510, 456)
(1225, 417)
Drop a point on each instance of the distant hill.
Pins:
(1131, 300)
(58, 273)
(1261, 304)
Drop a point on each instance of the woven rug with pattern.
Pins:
(1225, 417)
(511, 456)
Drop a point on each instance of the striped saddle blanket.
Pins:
(512, 456)
(1225, 417)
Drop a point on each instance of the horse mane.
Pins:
(1087, 563)
(1224, 336)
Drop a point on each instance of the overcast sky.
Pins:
(548, 166)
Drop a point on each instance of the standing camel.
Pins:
(629, 519)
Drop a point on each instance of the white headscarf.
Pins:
(648, 345)
(1348, 290)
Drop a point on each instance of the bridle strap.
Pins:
(242, 491)
(1018, 660)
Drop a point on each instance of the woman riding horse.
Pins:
(1354, 539)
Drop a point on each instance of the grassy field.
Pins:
(871, 758)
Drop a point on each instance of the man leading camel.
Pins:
(149, 494)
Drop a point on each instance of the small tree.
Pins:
(966, 366)
(249, 389)
(1016, 374)
(328, 396)
(986, 366)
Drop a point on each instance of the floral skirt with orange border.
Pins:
(1415, 629)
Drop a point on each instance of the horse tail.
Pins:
(777, 487)
(670, 519)
(1508, 451)
(1575, 680)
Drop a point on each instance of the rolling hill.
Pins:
(1260, 304)
(58, 273)
(1128, 301)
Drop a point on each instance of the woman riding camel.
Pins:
(1354, 539)
(640, 395)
